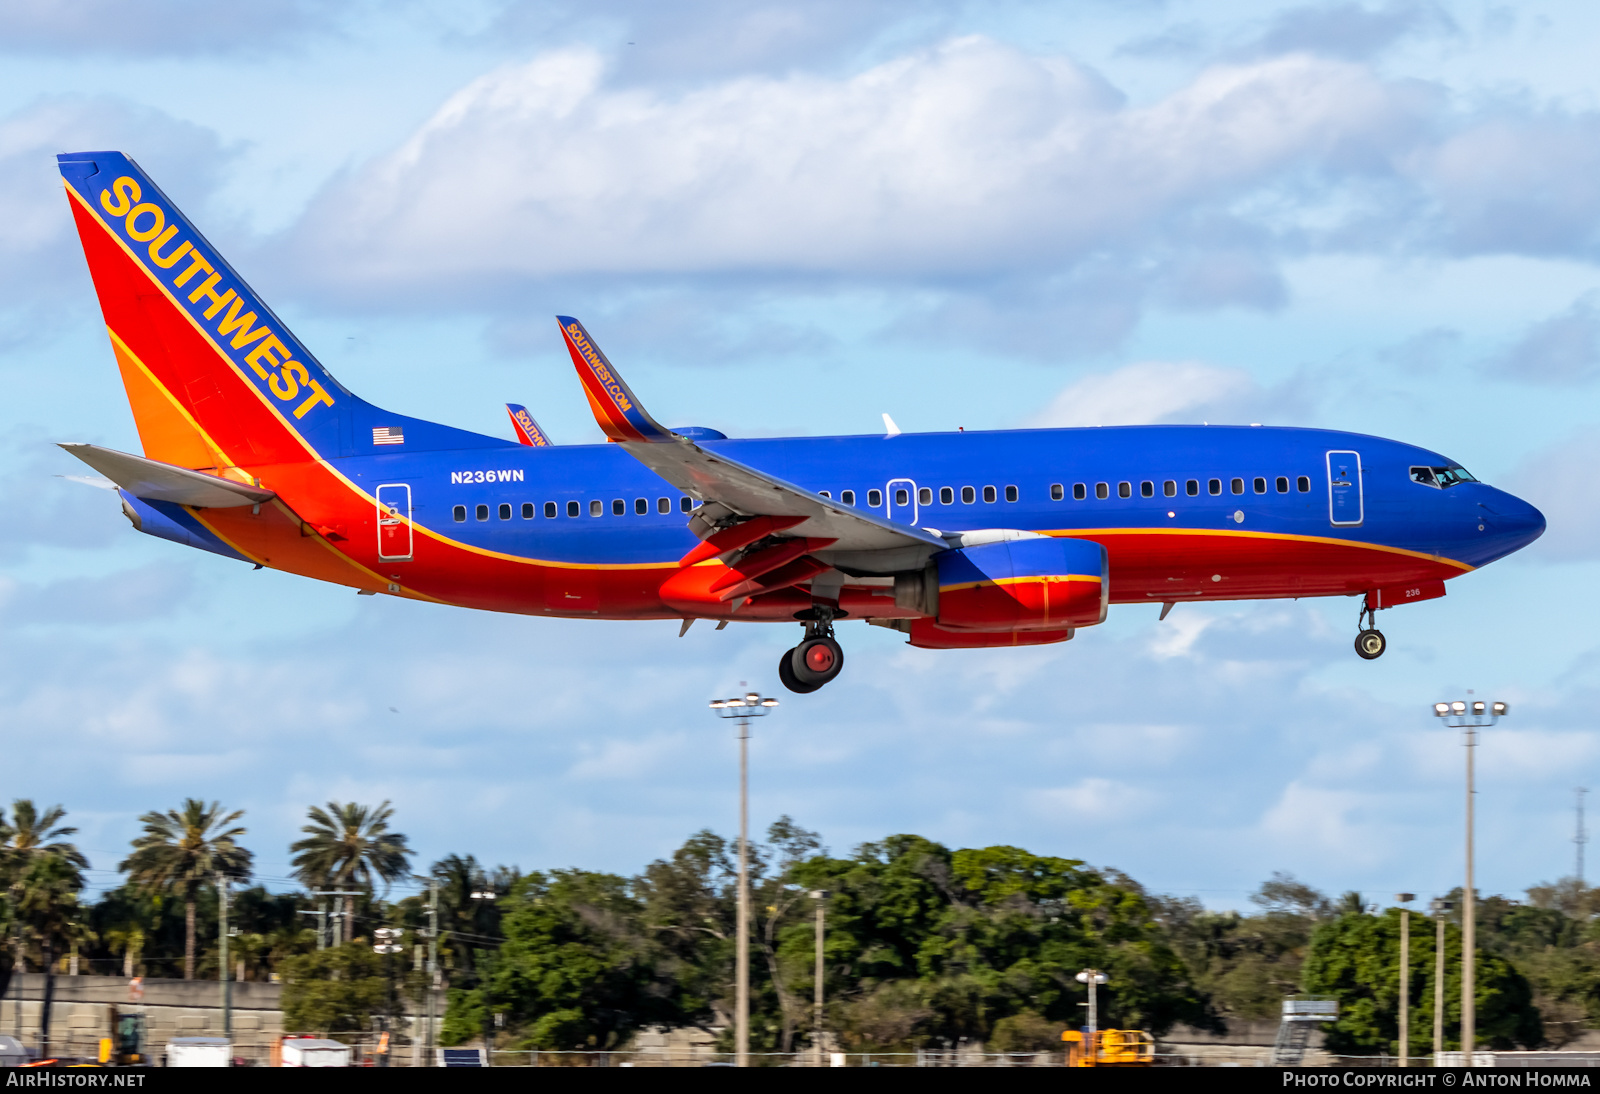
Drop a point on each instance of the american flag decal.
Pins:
(388, 434)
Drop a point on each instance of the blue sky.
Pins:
(788, 218)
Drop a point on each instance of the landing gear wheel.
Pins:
(786, 675)
(816, 661)
(1370, 644)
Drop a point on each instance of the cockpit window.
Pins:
(1441, 477)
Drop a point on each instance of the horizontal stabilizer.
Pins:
(157, 481)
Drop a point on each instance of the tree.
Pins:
(30, 834)
(1356, 959)
(350, 844)
(467, 926)
(575, 971)
(1245, 964)
(336, 990)
(182, 850)
(48, 909)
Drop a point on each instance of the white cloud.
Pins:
(1091, 799)
(968, 158)
(1144, 393)
(1561, 482)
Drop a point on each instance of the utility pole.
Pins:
(222, 972)
(1438, 908)
(1469, 716)
(433, 965)
(1093, 978)
(742, 710)
(1405, 977)
(1582, 836)
(820, 896)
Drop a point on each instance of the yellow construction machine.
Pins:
(1109, 1048)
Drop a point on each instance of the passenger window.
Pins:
(988, 494)
(947, 496)
(1102, 491)
(1192, 487)
(826, 493)
(847, 496)
(1261, 486)
(686, 504)
(968, 495)
(1214, 486)
(1011, 493)
(572, 509)
(874, 499)
(925, 496)
(549, 509)
(1237, 485)
(459, 512)
(1147, 489)
(641, 506)
(663, 505)
(1124, 489)
(1303, 485)
(1170, 488)
(482, 512)
(505, 511)
(902, 497)
(1056, 493)
(618, 507)
(596, 507)
(527, 510)
(1283, 484)
(1079, 491)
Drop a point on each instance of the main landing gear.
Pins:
(816, 660)
(1370, 643)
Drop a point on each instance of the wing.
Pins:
(528, 431)
(733, 492)
(157, 481)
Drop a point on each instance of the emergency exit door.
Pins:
(394, 522)
(1345, 508)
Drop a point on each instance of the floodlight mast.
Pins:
(741, 710)
(1469, 716)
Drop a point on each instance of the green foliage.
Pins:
(1245, 964)
(1356, 959)
(182, 850)
(336, 990)
(575, 972)
(926, 945)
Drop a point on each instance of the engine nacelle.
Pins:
(1035, 584)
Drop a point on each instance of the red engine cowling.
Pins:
(1042, 584)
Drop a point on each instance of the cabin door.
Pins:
(1345, 508)
(394, 522)
(902, 500)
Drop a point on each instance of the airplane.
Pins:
(1020, 537)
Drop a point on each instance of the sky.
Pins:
(788, 218)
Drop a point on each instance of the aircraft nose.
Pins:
(1513, 519)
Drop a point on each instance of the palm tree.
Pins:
(30, 835)
(349, 844)
(49, 884)
(183, 849)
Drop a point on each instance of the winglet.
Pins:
(618, 412)
(528, 431)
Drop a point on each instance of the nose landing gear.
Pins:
(815, 661)
(1370, 643)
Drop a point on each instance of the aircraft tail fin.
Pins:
(528, 431)
(215, 379)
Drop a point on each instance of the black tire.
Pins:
(816, 661)
(786, 675)
(1370, 645)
